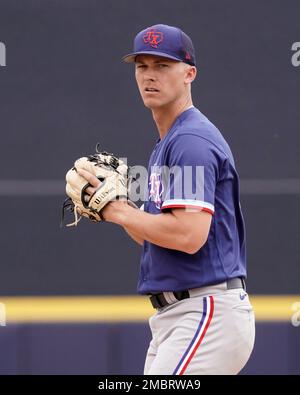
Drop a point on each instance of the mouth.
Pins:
(151, 90)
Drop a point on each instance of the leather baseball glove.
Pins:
(115, 180)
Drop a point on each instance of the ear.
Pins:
(190, 74)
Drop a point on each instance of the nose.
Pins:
(149, 76)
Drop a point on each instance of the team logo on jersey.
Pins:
(156, 189)
(153, 38)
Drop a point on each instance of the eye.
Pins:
(162, 65)
(141, 66)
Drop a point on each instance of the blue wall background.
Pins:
(64, 88)
(121, 349)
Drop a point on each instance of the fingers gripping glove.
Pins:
(113, 175)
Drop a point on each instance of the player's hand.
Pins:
(113, 209)
(91, 179)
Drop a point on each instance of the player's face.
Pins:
(161, 81)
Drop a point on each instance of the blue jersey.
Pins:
(203, 176)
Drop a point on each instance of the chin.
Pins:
(152, 103)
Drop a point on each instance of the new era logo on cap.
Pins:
(163, 40)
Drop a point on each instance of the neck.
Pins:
(165, 116)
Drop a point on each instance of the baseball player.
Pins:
(191, 228)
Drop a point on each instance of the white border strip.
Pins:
(282, 186)
(32, 187)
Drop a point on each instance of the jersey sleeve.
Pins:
(191, 174)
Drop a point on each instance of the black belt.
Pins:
(158, 300)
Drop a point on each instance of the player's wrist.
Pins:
(124, 213)
(115, 212)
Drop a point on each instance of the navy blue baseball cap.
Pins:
(163, 40)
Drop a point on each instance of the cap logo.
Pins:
(153, 38)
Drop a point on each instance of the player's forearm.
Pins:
(137, 239)
(162, 229)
